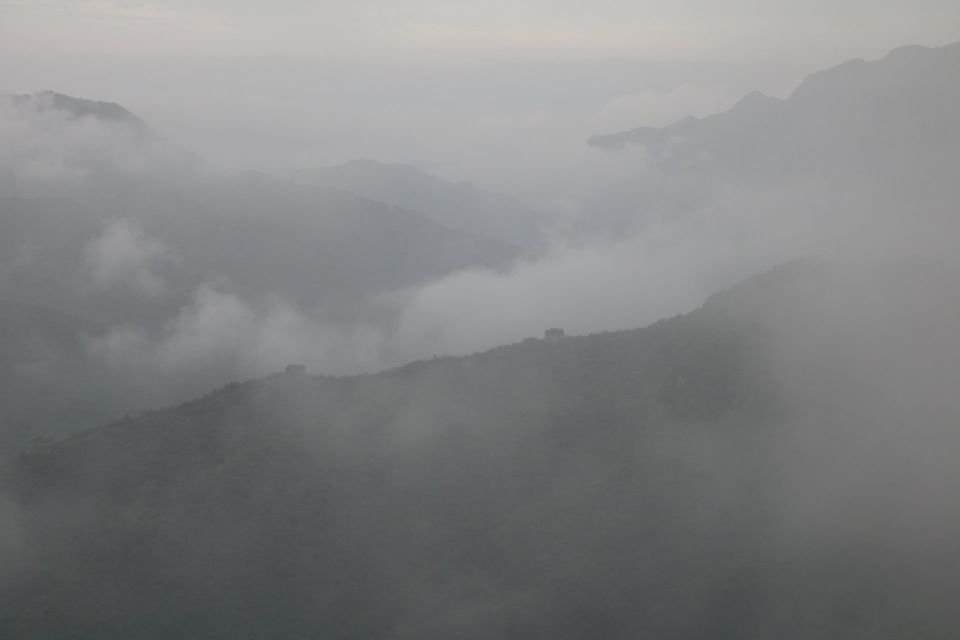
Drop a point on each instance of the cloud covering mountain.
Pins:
(192, 282)
(726, 471)
(457, 206)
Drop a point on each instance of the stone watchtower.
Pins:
(553, 335)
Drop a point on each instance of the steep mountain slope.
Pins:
(910, 91)
(865, 143)
(720, 474)
(457, 206)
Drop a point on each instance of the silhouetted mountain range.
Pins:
(862, 145)
(910, 91)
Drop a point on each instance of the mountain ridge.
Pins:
(550, 488)
(457, 205)
(809, 89)
(79, 108)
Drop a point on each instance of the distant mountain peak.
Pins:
(79, 108)
(907, 68)
(753, 99)
(909, 50)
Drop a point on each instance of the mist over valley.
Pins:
(557, 338)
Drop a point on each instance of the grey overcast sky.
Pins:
(467, 89)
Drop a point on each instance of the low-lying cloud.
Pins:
(124, 257)
(219, 330)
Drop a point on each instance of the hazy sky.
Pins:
(471, 90)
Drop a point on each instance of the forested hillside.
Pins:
(722, 474)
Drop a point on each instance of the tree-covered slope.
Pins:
(724, 474)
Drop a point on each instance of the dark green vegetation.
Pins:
(776, 464)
